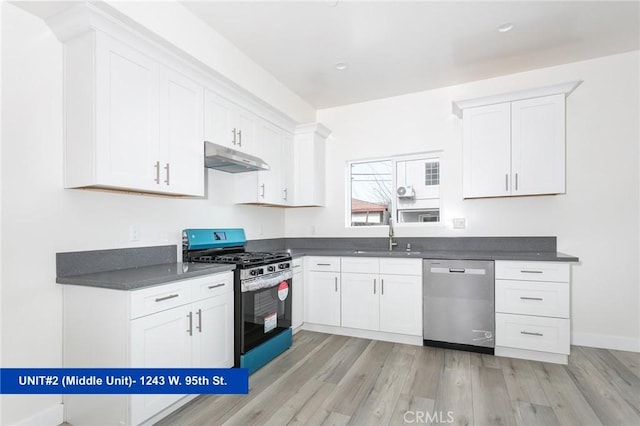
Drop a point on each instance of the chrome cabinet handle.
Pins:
(171, 296)
(239, 137)
(234, 136)
(374, 286)
(323, 264)
(167, 169)
(262, 186)
(211, 287)
(200, 320)
(516, 181)
(157, 166)
(525, 271)
(530, 298)
(285, 194)
(190, 330)
(336, 284)
(528, 333)
(382, 287)
(506, 182)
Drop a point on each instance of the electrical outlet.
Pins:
(134, 233)
(459, 223)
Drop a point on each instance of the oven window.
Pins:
(265, 313)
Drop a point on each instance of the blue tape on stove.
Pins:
(259, 356)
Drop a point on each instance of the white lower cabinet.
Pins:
(376, 301)
(184, 324)
(297, 303)
(322, 291)
(532, 310)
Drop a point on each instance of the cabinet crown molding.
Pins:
(565, 88)
(318, 128)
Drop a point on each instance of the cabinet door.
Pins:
(246, 125)
(401, 304)
(159, 340)
(127, 116)
(288, 191)
(297, 307)
(213, 332)
(538, 145)
(181, 106)
(322, 298)
(486, 151)
(218, 121)
(360, 306)
(269, 181)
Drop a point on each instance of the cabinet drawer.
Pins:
(361, 265)
(159, 298)
(532, 333)
(316, 263)
(212, 285)
(401, 266)
(532, 271)
(532, 298)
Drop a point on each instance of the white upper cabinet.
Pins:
(309, 165)
(131, 123)
(486, 151)
(181, 133)
(229, 125)
(538, 145)
(273, 186)
(514, 144)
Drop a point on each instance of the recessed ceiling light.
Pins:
(341, 66)
(506, 27)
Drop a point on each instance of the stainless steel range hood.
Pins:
(229, 160)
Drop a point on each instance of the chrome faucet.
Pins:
(392, 242)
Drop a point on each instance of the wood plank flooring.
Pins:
(336, 380)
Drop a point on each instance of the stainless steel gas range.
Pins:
(262, 292)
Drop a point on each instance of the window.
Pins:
(371, 183)
(405, 188)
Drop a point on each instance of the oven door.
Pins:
(265, 310)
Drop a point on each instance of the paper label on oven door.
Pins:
(283, 291)
(270, 322)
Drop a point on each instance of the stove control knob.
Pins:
(271, 268)
(283, 266)
(254, 272)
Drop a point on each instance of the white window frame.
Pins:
(437, 154)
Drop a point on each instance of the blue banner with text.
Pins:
(124, 381)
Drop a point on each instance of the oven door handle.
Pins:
(259, 283)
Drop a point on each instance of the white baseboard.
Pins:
(364, 334)
(52, 416)
(605, 341)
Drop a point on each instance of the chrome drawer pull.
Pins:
(211, 287)
(530, 272)
(531, 298)
(323, 264)
(528, 333)
(171, 296)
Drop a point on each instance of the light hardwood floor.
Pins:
(333, 380)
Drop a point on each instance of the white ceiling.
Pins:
(398, 47)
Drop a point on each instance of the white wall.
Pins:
(597, 219)
(40, 218)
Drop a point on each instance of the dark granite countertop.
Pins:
(144, 276)
(442, 254)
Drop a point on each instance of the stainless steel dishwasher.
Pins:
(459, 304)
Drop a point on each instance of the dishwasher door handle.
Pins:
(457, 270)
